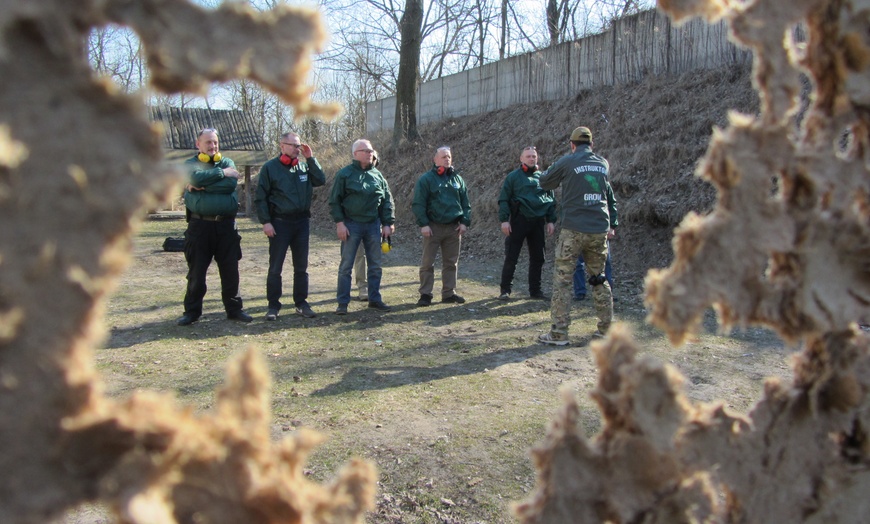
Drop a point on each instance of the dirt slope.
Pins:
(652, 132)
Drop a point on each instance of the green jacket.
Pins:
(285, 190)
(588, 204)
(441, 199)
(218, 193)
(361, 195)
(522, 191)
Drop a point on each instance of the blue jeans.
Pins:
(580, 274)
(292, 234)
(369, 235)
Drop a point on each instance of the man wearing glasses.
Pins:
(362, 207)
(283, 203)
(212, 204)
(525, 211)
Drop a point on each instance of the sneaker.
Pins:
(425, 300)
(539, 296)
(239, 316)
(363, 297)
(579, 297)
(553, 340)
(341, 309)
(598, 334)
(187, 319)
(380, 306)
(453, 299)
(272, 314)
(306, 311)
(504, 296)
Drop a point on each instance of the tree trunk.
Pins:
(553, 21)
(410, 28)
(504, 30)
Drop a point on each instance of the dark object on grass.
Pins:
(173, 244)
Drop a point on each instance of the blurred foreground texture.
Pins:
(787, 247)
(78, 163)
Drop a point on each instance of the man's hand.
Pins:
(426, 231)
(306, 151)
(506, 228)
(231, 173)
(461, 228)
(341, 231)
(551, 228)
(191, 187)
(269, 229)
(388, 231)
(611, 233)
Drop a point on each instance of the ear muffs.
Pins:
(527, 169)
(202, 157)
(441, 170)
(287, 160)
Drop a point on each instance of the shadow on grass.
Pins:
(366, 378)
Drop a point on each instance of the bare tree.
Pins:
(411, 27)
(116, 53)
(559, 15)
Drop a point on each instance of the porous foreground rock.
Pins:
(78, 163)
(788, 247)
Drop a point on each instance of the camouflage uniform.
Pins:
(588, 213)
(594, 250)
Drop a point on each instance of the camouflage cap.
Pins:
(581, 134)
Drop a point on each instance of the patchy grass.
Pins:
(446, 400)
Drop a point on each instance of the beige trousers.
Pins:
(446, 238)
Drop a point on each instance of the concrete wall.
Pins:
(636, 46)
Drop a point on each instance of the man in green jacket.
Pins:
(283, 203)
(589, 219)
(444, 215)
(525, 211)
(212, 204)
(362, 207)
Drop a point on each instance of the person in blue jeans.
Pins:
(362, 207)
(580, 276)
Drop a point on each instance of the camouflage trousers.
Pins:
(593, 246)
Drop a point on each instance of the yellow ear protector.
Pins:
(202, 157)
(386, 244)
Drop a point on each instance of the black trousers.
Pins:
(205, 240)
(290, 234)
(532, 232)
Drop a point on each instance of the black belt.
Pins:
(292, 216)
(213, 218)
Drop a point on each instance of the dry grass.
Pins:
(447, 400)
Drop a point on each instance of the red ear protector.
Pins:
(527, 169)
(441, 170)
(202, 157)
(287, 160)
